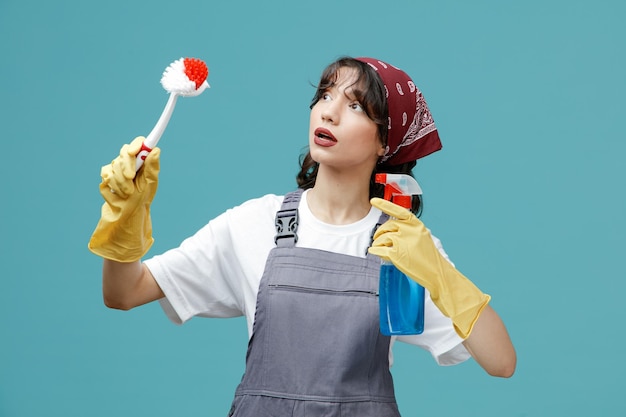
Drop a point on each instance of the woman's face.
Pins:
(341, 134)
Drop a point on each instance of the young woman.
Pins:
(303, 268)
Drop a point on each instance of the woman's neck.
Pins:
(339, 199)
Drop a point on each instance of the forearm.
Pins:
(128, 285)
(490, 345)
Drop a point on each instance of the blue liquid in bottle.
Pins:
(401, 302)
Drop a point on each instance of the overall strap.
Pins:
(287, 220)
(382, 219)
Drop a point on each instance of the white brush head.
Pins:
(174, 80)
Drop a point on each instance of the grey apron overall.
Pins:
(316, 349)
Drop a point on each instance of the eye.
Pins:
(357, 106)
(325, 97)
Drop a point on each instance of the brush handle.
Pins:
(153, 138)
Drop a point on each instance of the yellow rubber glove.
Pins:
(405, 241)
(124, 232)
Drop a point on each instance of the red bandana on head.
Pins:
(411, 132)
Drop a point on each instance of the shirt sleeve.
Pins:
(215, 272)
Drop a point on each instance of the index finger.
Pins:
(391, 209)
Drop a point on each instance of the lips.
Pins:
(324, 137)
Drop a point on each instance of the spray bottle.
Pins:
(401, 299)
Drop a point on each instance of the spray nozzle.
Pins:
(400, 189)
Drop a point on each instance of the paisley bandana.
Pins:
(411, 132)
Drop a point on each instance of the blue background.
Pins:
(527, 194)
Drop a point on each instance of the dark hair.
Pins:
(369, 90)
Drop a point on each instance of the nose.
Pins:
(330, 112)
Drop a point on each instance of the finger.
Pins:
(384, 241)
(129, 154)
(391, 209)
(113, 175)
(148, 174)
(390, 226)
(380, 251)
(110, 183)
(105, 173)
(126, 162)
(109, 194)
(152, 164)
(135, 146)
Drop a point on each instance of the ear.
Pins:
(381, 151)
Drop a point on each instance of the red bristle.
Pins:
(196, 70)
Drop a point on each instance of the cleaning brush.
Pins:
(184, 77)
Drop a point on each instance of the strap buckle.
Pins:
(286, 225)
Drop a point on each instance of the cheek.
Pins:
(311, 118)
(375, 143)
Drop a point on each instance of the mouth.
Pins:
(324, 134)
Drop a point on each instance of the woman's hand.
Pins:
(405, 241)
(124, 232)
